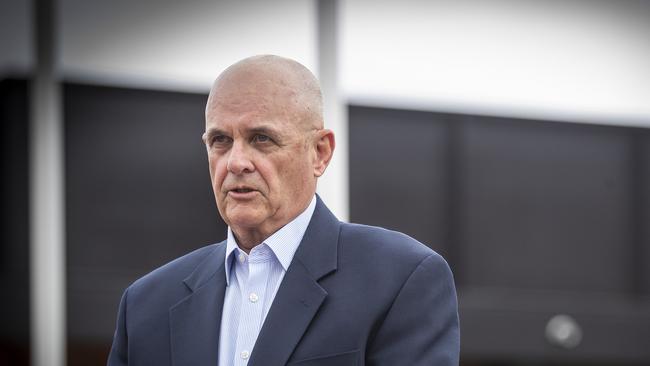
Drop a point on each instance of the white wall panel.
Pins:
(576, 60)
(180, 45)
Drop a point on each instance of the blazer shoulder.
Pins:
(384, 244)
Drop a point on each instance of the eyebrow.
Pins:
(207, 135)
(265, 130)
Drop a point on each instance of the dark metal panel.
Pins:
(138, 194)
(397, 165)
(14, 243)
(541, 219)
(546, 206)
(643, 220)
(512, 326)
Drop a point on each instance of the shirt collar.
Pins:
(283, 243)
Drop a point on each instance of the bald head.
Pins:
(270, 79)
(266, 144)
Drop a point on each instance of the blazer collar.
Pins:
(210, 266)
(300, 295)
(318, 250)
(195, 320)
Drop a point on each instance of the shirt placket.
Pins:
(252, 295)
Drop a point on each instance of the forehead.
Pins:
(252, 113)
(246, 104)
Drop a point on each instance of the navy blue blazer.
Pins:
(353, 295)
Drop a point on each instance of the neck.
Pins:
(247, 240)
(249, 237)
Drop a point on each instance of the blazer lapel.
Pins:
(195, 321)
(300, 295)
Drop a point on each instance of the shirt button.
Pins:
(244, 355)
(253, 297)
(242, 257)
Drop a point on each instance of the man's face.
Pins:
(261, 155)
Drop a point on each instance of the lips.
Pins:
(242, 192)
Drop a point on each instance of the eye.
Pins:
(219, 140)
(259, 138)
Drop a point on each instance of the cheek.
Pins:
(293, 175)
(217, 172)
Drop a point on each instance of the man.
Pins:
(291, 285)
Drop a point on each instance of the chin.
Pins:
(244, 218)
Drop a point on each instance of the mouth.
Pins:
(242, 193)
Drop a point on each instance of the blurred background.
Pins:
(513, 137)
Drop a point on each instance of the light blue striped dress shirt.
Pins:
(252, 282)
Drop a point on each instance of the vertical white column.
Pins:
(334, 185)
(47, 213)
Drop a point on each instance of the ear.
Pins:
(324, 149)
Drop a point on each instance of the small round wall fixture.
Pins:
(564, 331)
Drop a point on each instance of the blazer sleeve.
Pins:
(119, 350)
(421, 327)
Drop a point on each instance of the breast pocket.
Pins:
(350, 358)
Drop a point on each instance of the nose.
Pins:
(239, 159)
